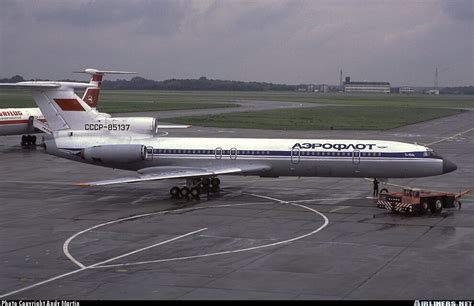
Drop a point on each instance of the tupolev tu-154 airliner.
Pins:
(82, 134)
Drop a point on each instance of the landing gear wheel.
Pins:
(185, 192)
(33, 140)
(23, 140)
(195, 192)
(437, 206)
(205, 182)
(175, 192)
(424, 206)
(215, 184)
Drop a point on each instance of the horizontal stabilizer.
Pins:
(31, 85)
(164, 172)
(59, 104)
(97, 71)
(173, 126)
(47, 85)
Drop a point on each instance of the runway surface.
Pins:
(244, 106)
(259, 238)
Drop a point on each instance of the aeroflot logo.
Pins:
(337, 146)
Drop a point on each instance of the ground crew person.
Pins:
(376, 187)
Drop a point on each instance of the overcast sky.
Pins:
(276, 41)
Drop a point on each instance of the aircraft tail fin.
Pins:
(58, 103)
(91, 95)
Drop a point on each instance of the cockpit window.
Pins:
(431, 153)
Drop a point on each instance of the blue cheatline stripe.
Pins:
(199, 152)
(258, 153)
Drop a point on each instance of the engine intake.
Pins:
(115, 153)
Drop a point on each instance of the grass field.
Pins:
(395, 100)
(11, 98)
(126, 101)
(359, 111)
(322, 118)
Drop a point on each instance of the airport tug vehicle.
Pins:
(416, 201)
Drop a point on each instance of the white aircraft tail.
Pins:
(91, 95)
(60, 106)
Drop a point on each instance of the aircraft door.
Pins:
(295, 156)
(218, 153)
(149, 153)
(356, 157)
(233, 153)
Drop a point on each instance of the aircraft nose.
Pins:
(448, 166)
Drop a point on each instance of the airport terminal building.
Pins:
(366, 87)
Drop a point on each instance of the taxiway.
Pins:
(259, 238)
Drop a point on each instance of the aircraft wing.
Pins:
(31, 85)
(166, 172)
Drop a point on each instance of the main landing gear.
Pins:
(27, 140)
(194, 188)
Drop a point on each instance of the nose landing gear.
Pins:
(194, 188)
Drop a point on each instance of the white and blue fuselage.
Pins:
(80, 133)
(283, 157)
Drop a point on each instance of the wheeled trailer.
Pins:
(416, 201)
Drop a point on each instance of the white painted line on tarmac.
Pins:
(146, 248)
(41, 283)
(338, 208)
(328, 199)
(140, 199)
(103, 264)
(234, 238)
(68, 241)
(97, 264)
(450, 137)
(326, 222)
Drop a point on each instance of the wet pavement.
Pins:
(259, 238)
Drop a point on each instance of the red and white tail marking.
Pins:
(69, 105)
(91, 95)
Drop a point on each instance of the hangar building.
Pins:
(366, 87)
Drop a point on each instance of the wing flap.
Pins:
(162, 173)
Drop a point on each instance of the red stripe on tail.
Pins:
(97, 77)
(69, 105)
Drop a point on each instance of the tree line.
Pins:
(195, 84)
(460, 90)
(203, 83)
